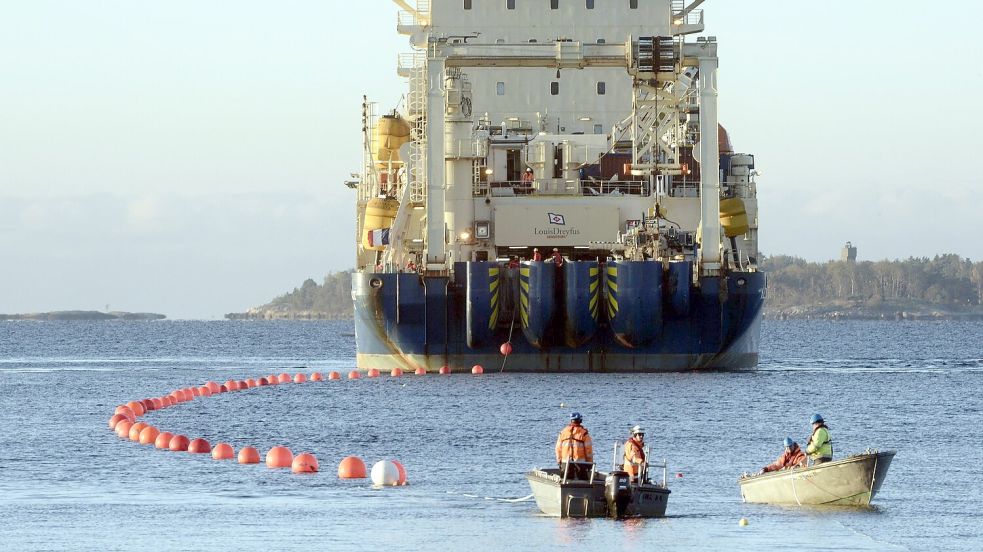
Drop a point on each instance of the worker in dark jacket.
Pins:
(792, 457)
(820, 445)
(574, 447)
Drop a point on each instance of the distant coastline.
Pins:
(945, 287)
(84, 315)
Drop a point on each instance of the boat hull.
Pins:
(408, 321)
(853, 481)
(586, 499)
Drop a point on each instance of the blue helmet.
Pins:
(789, 443)
(816, 419)
(576, 417)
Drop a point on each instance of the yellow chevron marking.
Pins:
(494, 319)
(525, 319)
(613, 301)
(525, 301)
(524, 272)
(613, 286)
(593, 301)
(493, 285)
(593, 286)
(524, 285)
(493, 272)
(612, 271)
(594, 271)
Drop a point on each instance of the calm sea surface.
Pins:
(68, 483)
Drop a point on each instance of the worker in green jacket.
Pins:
(820, 446)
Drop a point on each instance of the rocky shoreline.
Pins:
(84, 315)
(266, 314)
(840, 311)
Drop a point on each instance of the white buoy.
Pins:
(742, 522)
(385, 474)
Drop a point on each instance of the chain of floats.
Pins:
(124, 423)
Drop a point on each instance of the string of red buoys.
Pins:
(124, 422)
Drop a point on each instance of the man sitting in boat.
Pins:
(793, 457)
(573, 447)
(820, 446)
(635, 452)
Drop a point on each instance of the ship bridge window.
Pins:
(554, 4)
(633, 4)
(554, 88)
(601, 88)
(598, 129)
(510, 4)
(601, 41)
(500, 88)
(590, 4)
(467, 4)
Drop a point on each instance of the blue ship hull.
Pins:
(581, 317)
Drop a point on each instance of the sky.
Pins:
(188, 157)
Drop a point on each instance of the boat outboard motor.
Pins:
(617, 493)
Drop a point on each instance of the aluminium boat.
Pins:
(852, 481)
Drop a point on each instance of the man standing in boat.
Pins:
(635, 452)
(574, 446)
(820, 446)
(793, 457)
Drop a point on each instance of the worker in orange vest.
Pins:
(574, 447)
(635, 452)
(792, 457)
(536, 255)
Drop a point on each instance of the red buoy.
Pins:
(195, 392)
(126, 411)
(248, 455)
(421, 371)
(316, 376)
(334, 376)
(115, 419)
(373, 373)
(272, 379)
(148, 435)
(123, 429)
(402, 473)
(279, 457)
(506, 348)
(137, 408)
(351, 467)
(354, 374)
(444, 370)
(232, 385)
(300, 378)
(199, 446)
(223, 389)
(163, 440)
(477, 370)
(223, 451)
(212, 386)
(283, 378)
(396, 372)
(158, 403)
(179, 443)
(304, 463)
(263, 382)
(135, 429)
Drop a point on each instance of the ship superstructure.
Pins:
(555, 179)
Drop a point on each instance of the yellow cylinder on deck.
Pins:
(391, 132)
(733, 217)
(379, 213)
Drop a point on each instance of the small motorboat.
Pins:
(852, 481)
(579, 490)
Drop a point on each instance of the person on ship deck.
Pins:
(536, 255)
(574, 450)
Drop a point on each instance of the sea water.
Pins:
(68, 483)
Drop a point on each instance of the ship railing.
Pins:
(595, 187)
(559, 186)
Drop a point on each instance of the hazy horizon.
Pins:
(184, 159)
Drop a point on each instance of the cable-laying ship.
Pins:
(581, 131)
